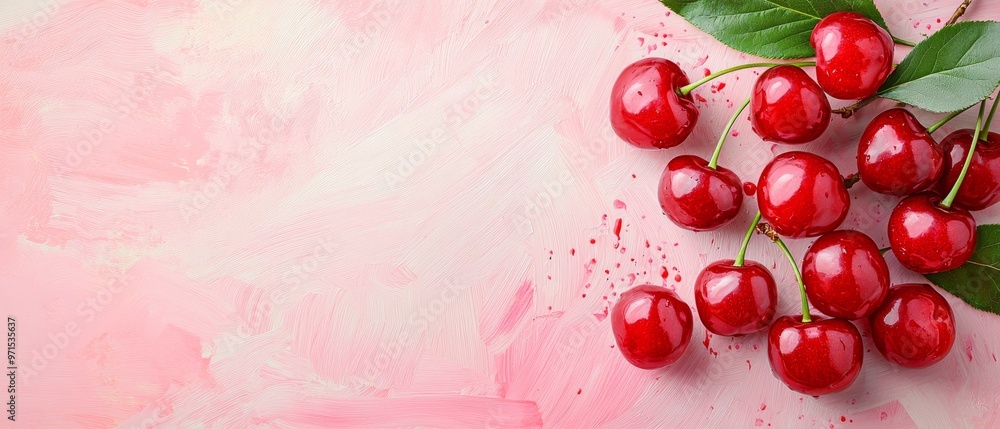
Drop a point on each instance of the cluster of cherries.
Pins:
(800, 194)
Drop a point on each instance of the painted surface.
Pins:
(317, 213)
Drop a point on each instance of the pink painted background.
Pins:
(319, 213)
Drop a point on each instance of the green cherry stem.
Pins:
(931, 129)
(968, 159)
(766, 229)
(989, 121)
(685, 90)
(740, 257)
(725, 133)
(903, 42)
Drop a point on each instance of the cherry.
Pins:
(647, 110)
(652, 326)
(981, 188)
(788, 106)
(853, 55)
(845, 275)
(927, 237)
(736, 296)
(897, 155)
(915, 327)
(817, 357)
(802, 195)
(698, 197)
(735, 300)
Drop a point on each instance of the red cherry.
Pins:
(735, 300)
(652, 326)
(698, 197)
(646, 109)
(928, 238)
(897, 156)
(787, 106)
(818, 357)
(915, 326)
(845, 275)
(981, 188)
(853, 55)
(802, 195)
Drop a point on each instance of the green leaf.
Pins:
(767, 28)
(951, 70)
(978, 281)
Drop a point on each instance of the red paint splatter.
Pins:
(843, 419)
(749, 188)
(700, 98)
(759, 422)
(707, 71)
(748, 369)
(664, 272)
(633, 175)
(883, 415)
(708, 337)
(572, 252)
(579, 391)
(619, 204)
(677, 278)
(592, 241)
(618, 228)
(736, 134)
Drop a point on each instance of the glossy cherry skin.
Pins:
(816, 358)
(697, 197)
(787, 106)
(928, 238)
(853, 55)
(981, 187)
(802, 195)
(897, 156)
(915, 327)
(845, 275)
(646, 110)
(652, 326)
(735, 300)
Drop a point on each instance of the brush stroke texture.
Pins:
(332, 213)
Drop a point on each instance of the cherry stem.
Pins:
(959, 12)
(852, 180)
(989, 121)
(685, 90)
(952, 115)
(765, 228)
(725, 133)
(903, 42)
(746, 241)
(848, 111)
(968, 159)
